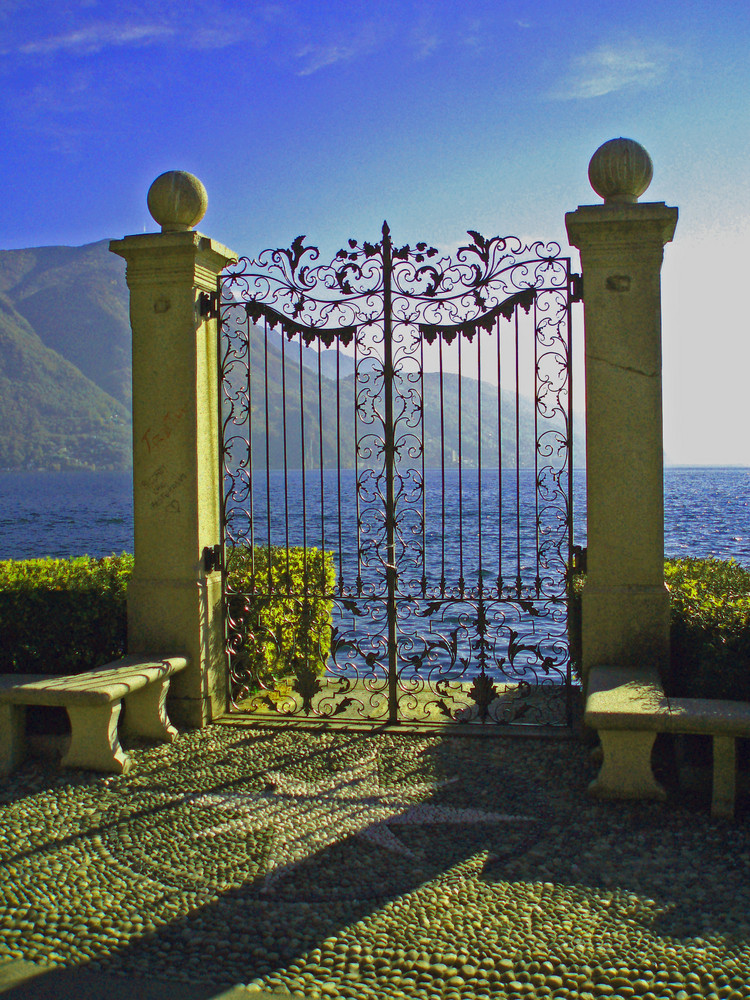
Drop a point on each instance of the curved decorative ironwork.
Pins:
(374, 426)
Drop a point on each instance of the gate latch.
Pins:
(576, 288)
(208, 305)
(212, 558)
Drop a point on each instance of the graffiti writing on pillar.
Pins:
(155, 437)
(163, 490)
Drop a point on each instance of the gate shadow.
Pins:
(315, 833)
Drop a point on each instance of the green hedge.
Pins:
(62, 616)
(709, 628)
(65, 616)
(284, 617)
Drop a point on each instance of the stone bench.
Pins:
(628, 707)
(93, 701)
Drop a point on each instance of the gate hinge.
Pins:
(208, 305)
(212, 558)
(576, 288)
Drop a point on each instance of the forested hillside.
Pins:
(65, 384)
(328, 409)
(64, 359)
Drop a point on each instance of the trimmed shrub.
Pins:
(66, 616)
(709, 628)
(279, 601)
(62, 616)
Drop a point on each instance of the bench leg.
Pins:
(146, 713)
(94, 742)
(725, 771)
(12, 737)
(626, 768)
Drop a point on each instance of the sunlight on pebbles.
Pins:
(372, 866)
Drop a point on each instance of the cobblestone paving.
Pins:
(373, 866)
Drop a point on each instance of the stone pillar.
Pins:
(625, 605)
(174, 605)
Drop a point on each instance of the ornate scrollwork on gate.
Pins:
(374, 424)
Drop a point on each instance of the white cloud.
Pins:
(317, 56)
(424, 34)
(610, 68)
(96, 37)
(199, 24)
(425, 42)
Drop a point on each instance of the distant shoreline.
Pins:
(449, 468)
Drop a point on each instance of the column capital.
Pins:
(182, 257)
(619, 226)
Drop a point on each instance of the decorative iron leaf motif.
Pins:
(506, 309)
(257, 310)
(295, 253)
(307, 685)
(483, 692)
(457, 636)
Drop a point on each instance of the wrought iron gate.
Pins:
(396, 457)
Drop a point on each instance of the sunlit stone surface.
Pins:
(177, 200)
(620, 171)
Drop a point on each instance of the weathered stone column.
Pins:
(625, 604)
(174, 605)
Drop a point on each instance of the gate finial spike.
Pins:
(386, 229)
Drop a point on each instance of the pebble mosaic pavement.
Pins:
(373, 865)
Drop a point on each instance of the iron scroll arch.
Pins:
(431, 546)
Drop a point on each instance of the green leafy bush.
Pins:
(282, 609)
(62, 616)
(574, 623)
(709, 628)
(65, 616)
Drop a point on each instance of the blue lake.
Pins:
(707, 513)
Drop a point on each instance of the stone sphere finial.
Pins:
(177, 201)
(620, 171)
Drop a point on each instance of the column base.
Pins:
(628, 626)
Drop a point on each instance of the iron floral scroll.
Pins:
(370, 415)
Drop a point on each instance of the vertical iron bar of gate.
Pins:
(220, 360)
(569, 287)
(537, 484)
(390, 499)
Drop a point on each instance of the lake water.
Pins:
(707, 513)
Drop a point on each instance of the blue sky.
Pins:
(325, 118)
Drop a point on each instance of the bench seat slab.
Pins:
(626, 767)
(710, 716)
(146, 713)
(94, 742)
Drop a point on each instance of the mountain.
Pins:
(64, 359)
(65, 382)
(76, 300)
(52, 416)
(329, 409)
